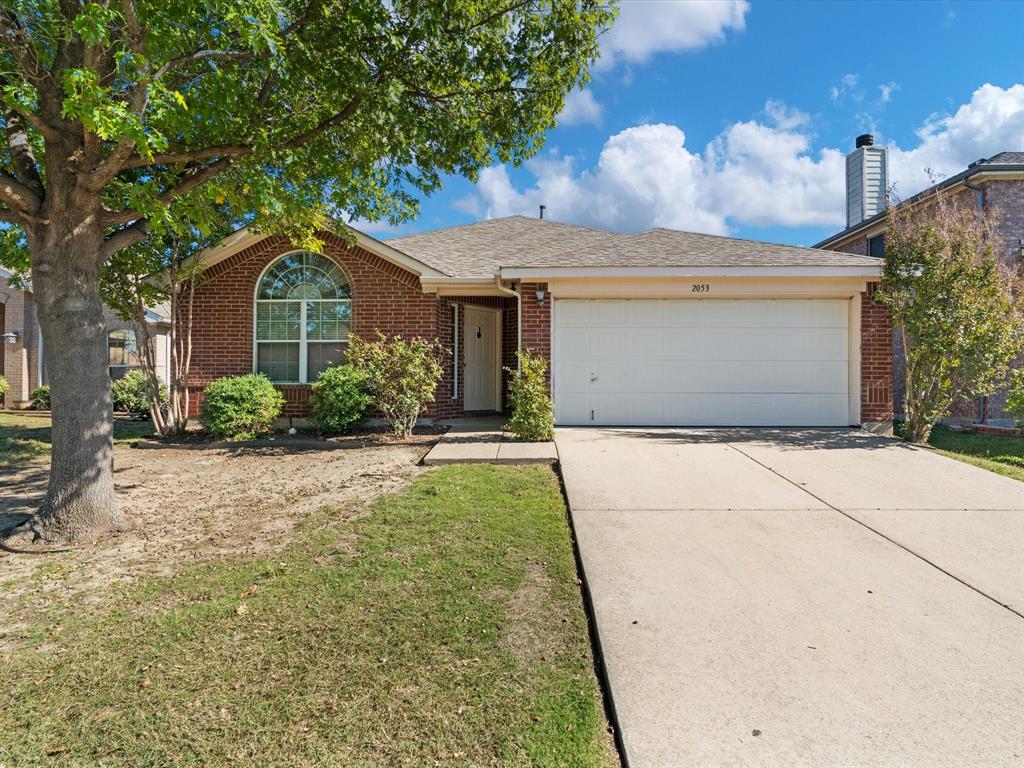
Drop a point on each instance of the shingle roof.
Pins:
(1005, 158)
(479, 250)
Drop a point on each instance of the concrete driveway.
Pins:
(801, 597)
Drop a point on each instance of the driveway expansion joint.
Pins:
(875, 531)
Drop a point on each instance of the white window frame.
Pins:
(302, 340)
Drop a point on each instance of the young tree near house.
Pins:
(159, 271)
(956, 308)
(126, 117)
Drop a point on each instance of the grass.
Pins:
(444, 628)
(23, 438)
(996, 453)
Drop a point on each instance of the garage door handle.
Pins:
(593, 378)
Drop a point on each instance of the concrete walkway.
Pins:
(481, 441)
(821, 598)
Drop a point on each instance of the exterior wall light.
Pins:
(11, 337)
(540, 297)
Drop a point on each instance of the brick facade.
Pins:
(385, 297)
(537, 321)
(876, 380)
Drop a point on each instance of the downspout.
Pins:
(519, 314)
(982, 401)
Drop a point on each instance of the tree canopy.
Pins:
(289, 110)
(127, 119)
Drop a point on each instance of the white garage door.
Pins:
(714, 362)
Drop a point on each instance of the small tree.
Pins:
(401, 376)
(160, 271)
(953, 304)
(529, 395)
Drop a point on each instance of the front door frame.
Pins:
(496, 395)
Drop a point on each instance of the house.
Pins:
(23, 363)
(996, 183)
(657, 328)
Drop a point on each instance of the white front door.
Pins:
(731, 362)
(481, 361)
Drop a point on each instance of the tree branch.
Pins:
(123, 238)
(17, 196)
(203, 55)
(171, 158)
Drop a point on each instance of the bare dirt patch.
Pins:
(188, 505)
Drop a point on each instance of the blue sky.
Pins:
(733, 117)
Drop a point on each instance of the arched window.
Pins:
(303, 317)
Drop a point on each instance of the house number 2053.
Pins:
(700, 288)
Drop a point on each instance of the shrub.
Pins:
(339, 398)
(129, 393)
(1015, 397)
(39, 399)
(401, 376)
(240, 407)
(533, 416)
(4, 386)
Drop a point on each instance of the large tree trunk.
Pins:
(79, 502)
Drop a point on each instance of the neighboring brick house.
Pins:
(657, 328)
(22, 361)
(995, 184)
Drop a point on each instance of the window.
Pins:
(303, 318)
(876, 246)
(122, 352)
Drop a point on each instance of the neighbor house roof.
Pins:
(482, 249)
(1001, 164)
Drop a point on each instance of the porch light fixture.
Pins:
(11, 337)
(540, 297)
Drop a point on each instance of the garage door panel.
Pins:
(702, 362)
(772, 377)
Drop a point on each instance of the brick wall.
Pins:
(20, 360)
(876, 396)
(385, 297)
(537, 321)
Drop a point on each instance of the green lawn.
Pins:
(23, 438)
(444, 628)
(996, 453)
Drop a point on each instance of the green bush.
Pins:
(339, 398)
(129, 393)
(240, 407)
(4, 386)
(1015, 397)
(529, 396)
(401, 376)
(39, 399)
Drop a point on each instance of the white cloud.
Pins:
(647, 27)
(784, 116)
(753, 173)
(992, 121)
(580, 107)
(846, 86)
(886, 90)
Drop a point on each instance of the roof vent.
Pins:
(867, 180)
(978, 162)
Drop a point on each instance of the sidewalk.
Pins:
(481, 441)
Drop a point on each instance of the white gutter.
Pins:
(546, 273)
(519, 315)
